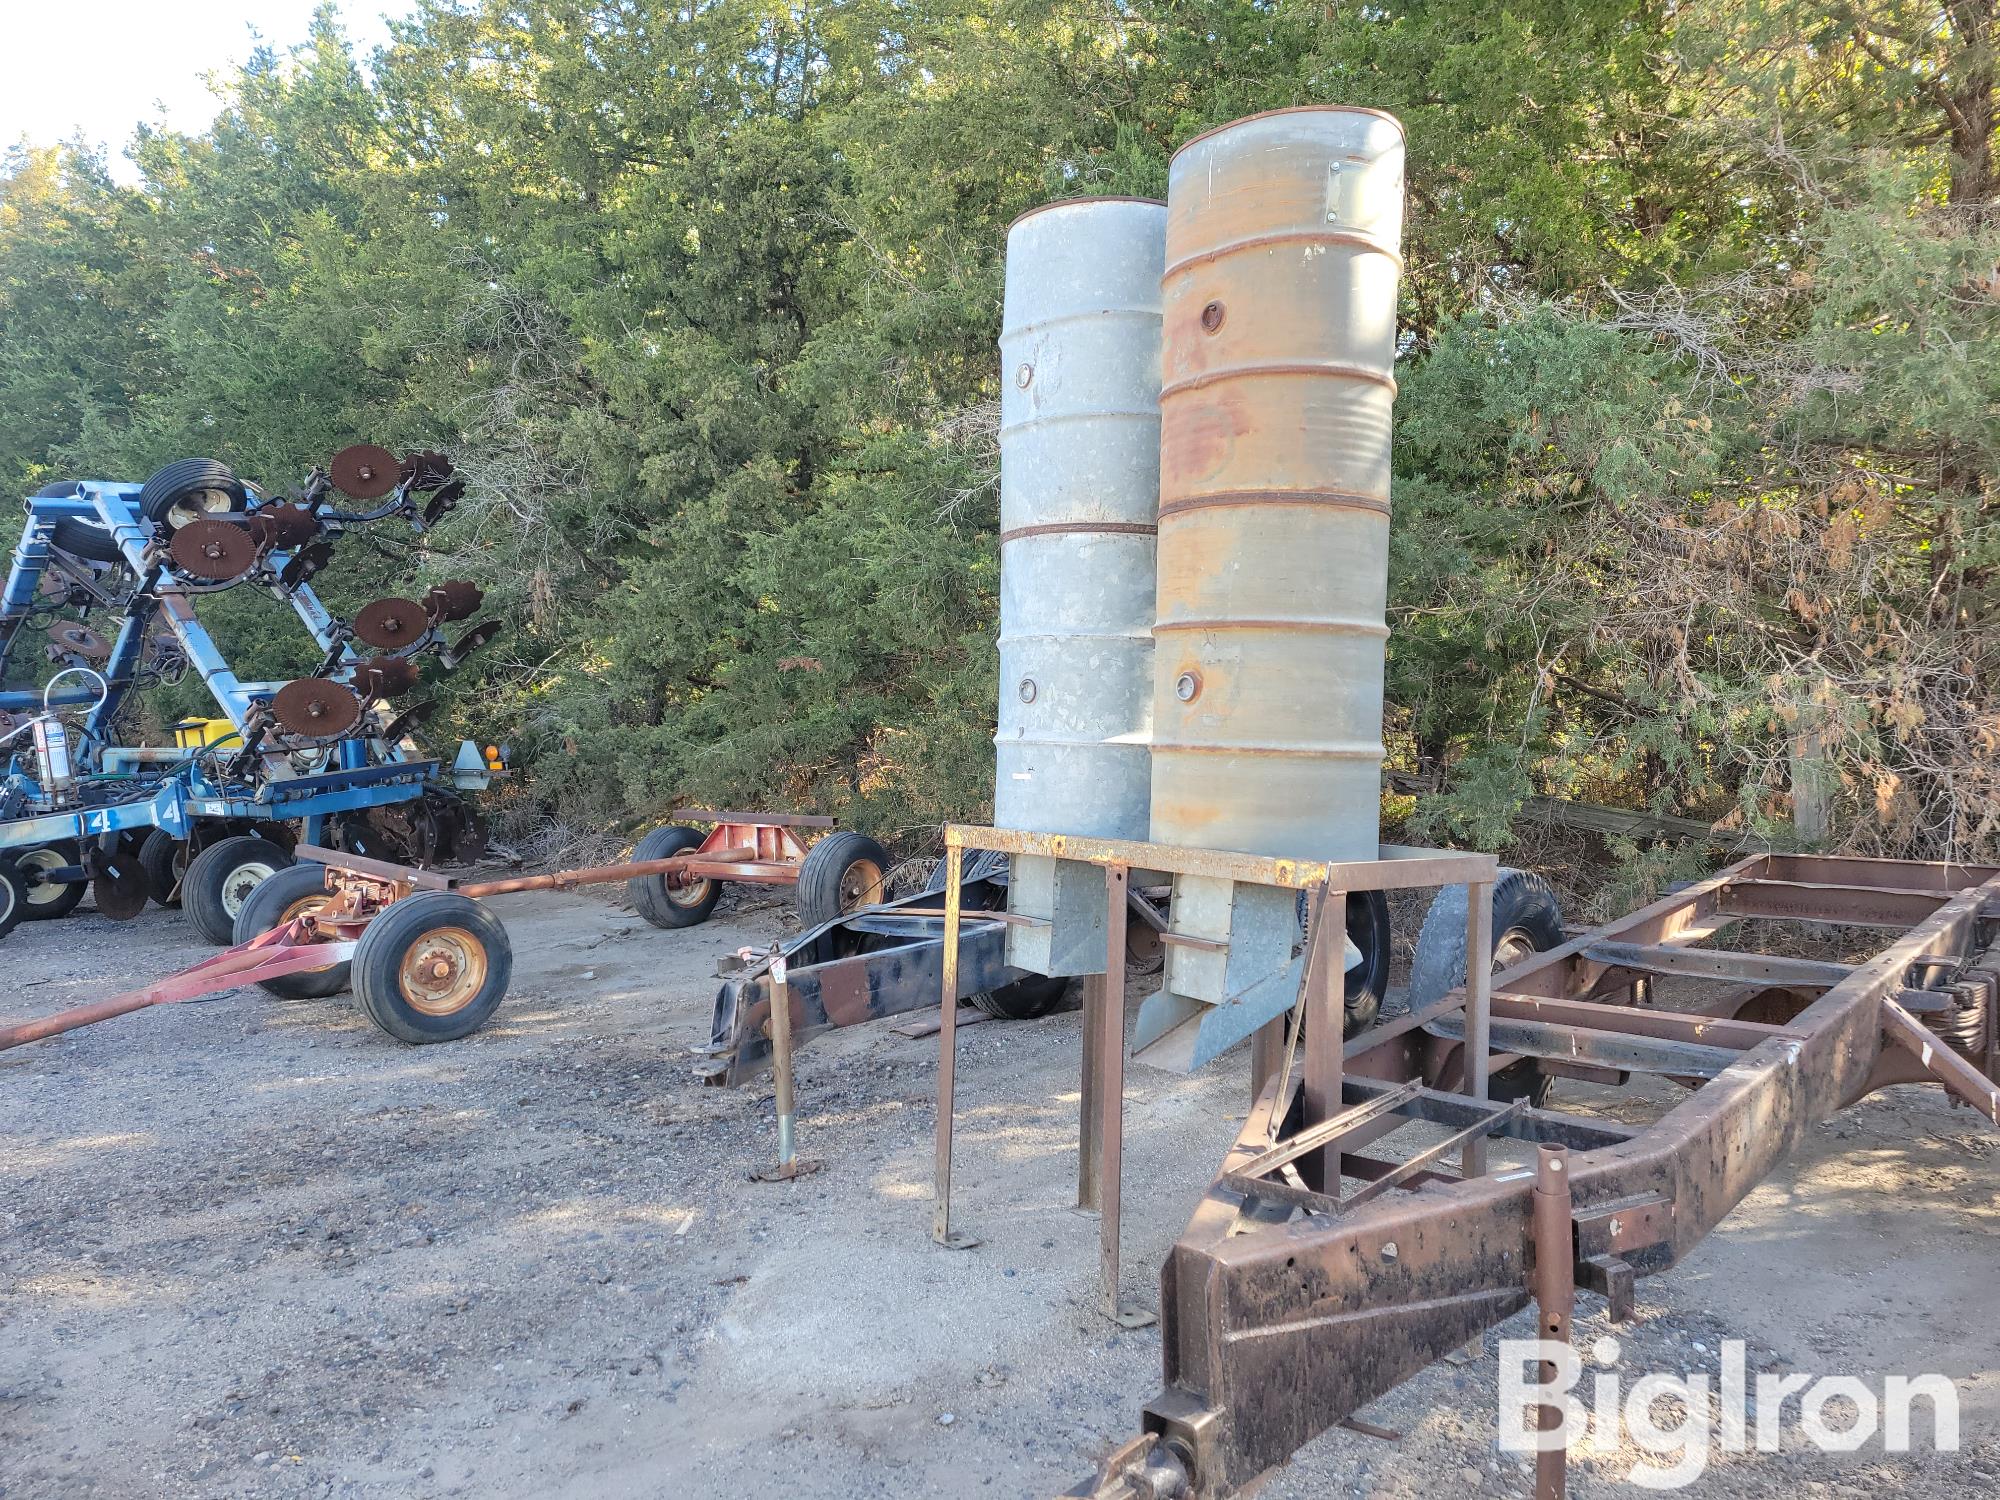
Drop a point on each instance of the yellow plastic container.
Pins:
(192, 734)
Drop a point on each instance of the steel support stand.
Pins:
(1478, 1012)
(1088, 1139)
(1110, 1095)
(954, 905)
(1267, 1056)
(789, 1165)
(1325, 1027)
(1555, 1301)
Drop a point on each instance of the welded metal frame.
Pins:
(362, 890)
(1101, 1115)
(188, 791)
(1282, 1316)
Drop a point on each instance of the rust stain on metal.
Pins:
(1278, 353)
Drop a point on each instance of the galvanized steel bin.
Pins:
(1283, 236)
(1079, 488)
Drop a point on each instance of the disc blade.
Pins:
(444, 500)
(426, 471)
(385, 677)
(391, 624)
(80, 640)
(286, 526)
(470, 642)
(454, 599)
(399, 726)
(119, 884)
(305, 563)
(365, 471)
(212, 551)
(315, 709)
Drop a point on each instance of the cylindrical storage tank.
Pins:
(1283, 236)
(1079, 488)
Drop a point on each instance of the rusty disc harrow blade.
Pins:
(365, 471)
(119, 886)
(80, 640)
(470, 642)
(213, 551)
(426, 471)
(447, 496)
(306, 562)
(391, 624)
(454, 600)
(315, 709)
(385, 677)
(399, 726)
(285, 526)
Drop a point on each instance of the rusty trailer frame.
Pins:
(1286, 1306)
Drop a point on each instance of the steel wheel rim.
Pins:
(1513, 945)
(47, 892)
(240, 882)
(200, 505)
(442, 971)
(1145, 952)
(305, 906)
(687, 892)
(860, 885)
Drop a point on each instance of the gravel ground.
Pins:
(256, 1248)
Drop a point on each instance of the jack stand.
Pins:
(788, 1166)
(1555, 1302)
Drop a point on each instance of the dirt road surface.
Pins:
(254, 1247)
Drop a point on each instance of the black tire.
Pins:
(1526, 918)
(84, 539)
(1367, 983)
(464, 937)
(164, 859)
(1023, 1000)
(62, 489)
(288, 894)
(842, 873)
(686, 904)
(47, 902)
(220, 879)
(13, 900)
(181, 482)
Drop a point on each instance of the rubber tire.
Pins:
(13, 900)
(378, 962)
(1023, 1000)
(66, 900)
(264, 909)
(1522, 903)
(159, 852)
(84, 539)
(649, 893)
(826, 866)
(168, 485)
(201, 887)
